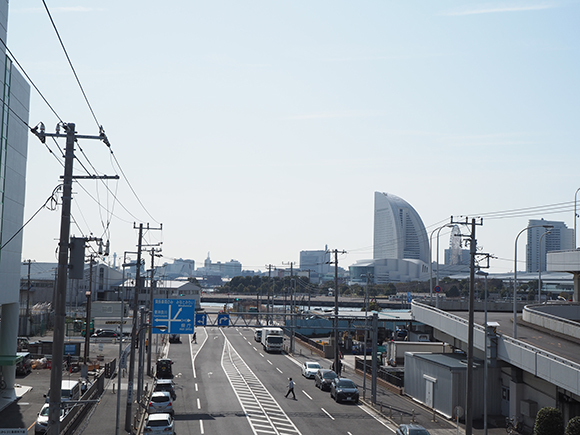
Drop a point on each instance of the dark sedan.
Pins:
(342, 389)
(323, 378)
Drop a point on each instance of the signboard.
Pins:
(174, 316)
(409, 298)
(200, 319)
(13, 431)
(437, 289)
(223, 320)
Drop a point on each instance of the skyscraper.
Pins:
(399, 232)
(561, 238)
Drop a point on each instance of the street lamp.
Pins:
(431, 260)
(575, 216)
(516, 272)
(540, 269)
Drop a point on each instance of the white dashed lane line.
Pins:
(306, 394)
(279, 370)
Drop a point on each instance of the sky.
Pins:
(253, 130)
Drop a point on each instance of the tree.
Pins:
(453, 292)
(549, 421)
(573, 427)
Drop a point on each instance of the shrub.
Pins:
(549, 421)
(573, 427)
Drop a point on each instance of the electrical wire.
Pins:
(70, 63)
(51, 200)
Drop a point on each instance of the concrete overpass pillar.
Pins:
(8, 335)
(575, 297)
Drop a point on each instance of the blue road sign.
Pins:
(409, 299)
(223, 320)
(437, 289)
(200, 319)
(177, 315)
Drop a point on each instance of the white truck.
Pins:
(272, 339)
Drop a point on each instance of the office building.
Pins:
(560, 238)
(13, 153)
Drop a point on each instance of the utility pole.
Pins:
(129, 410)
(28, 301)
(88, 318)
(473, 252)
(269, 266)
(154, 253)
(62, 270)
(335, 323)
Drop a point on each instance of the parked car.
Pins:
(23, 363)
(164, 370)
(323, 378)
(161, 423)
(412, 429)
(343, 389)
(41, 425)
(160, 402)
(174, 338)
(165, 385)
(104, 333)
(309, 369)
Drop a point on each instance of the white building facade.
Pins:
(13, 155)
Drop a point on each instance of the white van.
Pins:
(69, 391)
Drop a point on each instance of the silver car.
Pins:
(160, 402)
(161, 423)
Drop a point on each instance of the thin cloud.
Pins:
(59, 9)
(340, 114)
(492, 9)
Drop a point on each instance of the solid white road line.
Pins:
(193, 357)
(363, 407)
(326, 412)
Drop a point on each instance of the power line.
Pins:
(70, 63)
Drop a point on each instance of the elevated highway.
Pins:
(538, 369)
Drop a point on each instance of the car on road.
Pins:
(174, 338)
(160, 402)
(41, 425)
(323, 378)
(411, 429)
(343, 389)
(309, 369)
(258, 335)
(161, 423)
(165, 385)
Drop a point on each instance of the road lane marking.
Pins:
(363, 407)
(326, 412)
(279, 370)
(262, 355)
(196, 387)
(269, 362)
(263, 412)
(201, 427)
(193, 357)
(306, 394)
(198, 404)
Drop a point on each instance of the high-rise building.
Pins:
(315, 261)
(14, 105)
(399, 232)
(560, 238)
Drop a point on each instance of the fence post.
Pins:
(413, 416)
